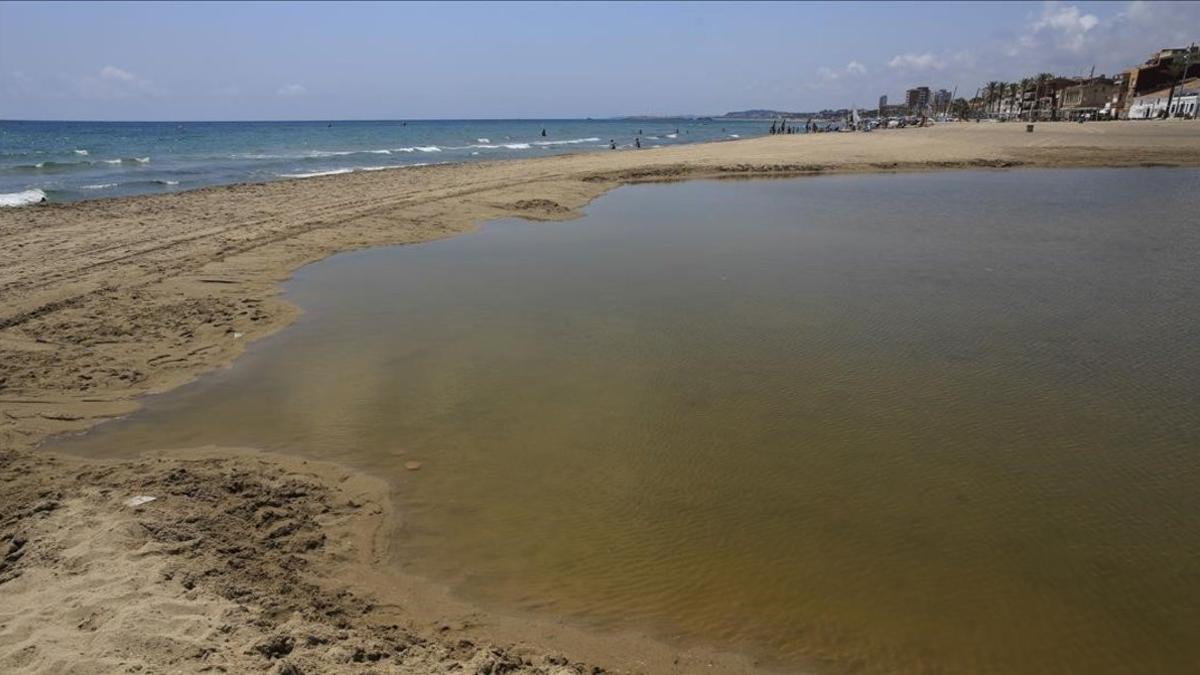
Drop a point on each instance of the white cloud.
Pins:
(917, 62)
(1066, 24)
(852, 69)
(292, 90)
(115, 73)
(111, 82)
(1061, 38)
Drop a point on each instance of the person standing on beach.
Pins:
(637, 142)
(612, 144)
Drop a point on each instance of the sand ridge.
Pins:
(105, 301)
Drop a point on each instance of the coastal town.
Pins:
(1166, 85)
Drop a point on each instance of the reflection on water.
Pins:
(939, 423)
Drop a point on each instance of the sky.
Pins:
(310, 60)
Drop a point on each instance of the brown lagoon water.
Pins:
(941, 423)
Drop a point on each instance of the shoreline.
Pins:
(107, 300)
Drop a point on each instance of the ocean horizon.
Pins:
(66, 161)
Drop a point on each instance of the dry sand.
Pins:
(246, 561)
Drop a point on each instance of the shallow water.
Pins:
(940, 423)
(70, 161)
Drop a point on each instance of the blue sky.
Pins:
(460, 60)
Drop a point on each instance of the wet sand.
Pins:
(250, 561)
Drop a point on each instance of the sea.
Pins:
(72, 161)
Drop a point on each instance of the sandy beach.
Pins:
(249, 561)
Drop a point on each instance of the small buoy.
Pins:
(412, 466)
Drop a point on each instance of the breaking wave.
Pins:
(22, 198)
(335, 172)
(50, 165)
(314, 174)
(572, 141)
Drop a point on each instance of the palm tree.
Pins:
(991, 94)
(1026, 111)
(1043, 88)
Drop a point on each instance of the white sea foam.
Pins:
(672, 135)
(167, 182)
(483, 140)
(429, 148)
(314, 174)
(335, 172)
(111, 161)
(142, 160)
(572, 141)
(316, 154)
(22, 198)
(98, 186)
(490, 146)
(734, 136)
(81, 152)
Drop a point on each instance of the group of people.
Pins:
(637, 140)
(783, 127)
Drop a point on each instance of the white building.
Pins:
(1154, 104)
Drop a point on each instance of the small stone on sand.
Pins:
(412, 466)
